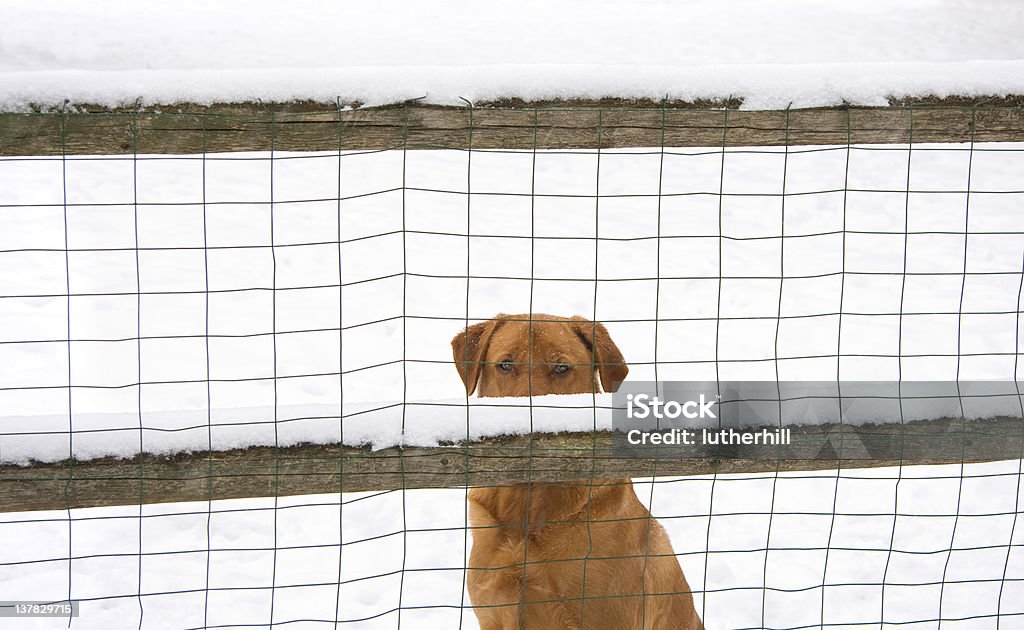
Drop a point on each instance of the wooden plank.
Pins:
(312, 469)
(192, 129)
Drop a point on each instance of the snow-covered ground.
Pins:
(258, 301)
(907, 546)
(396, 329)
(409, 236)
(770, 54)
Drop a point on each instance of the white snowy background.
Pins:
(951, 531)
(345, 277)
(272, 270)
(771, 54)
(925, 539)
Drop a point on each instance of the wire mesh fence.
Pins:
(163, 310)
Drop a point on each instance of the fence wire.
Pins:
(198, 303)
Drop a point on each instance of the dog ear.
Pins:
(607, 358)
(469, 348)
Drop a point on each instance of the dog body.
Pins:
(584, 555)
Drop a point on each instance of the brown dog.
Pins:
(563, 555)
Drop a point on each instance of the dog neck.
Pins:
(527, 508)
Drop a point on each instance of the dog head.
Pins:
(524, 355)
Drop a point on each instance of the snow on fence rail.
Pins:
(265, 471)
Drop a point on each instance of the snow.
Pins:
(380, 425)
(771, 55)
(236, 338)
(262, 345)
(908, 545)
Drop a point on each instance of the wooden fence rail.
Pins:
(311, 127)
(313, 469)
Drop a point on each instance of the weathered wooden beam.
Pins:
(313, 469)
(192, 129)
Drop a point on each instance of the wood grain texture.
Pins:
(313, 469)
(192, 129)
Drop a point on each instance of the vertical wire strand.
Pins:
(593, 363)
(899, 365)
(138, 340)
(718, 375)
(209, 387)
(341, 383)
(273, 336)
(839, 368)
(959, 395)
(405, 364)
(67, 287)
(778, 386)
(657, 380)
(529, 371)
(469, 273)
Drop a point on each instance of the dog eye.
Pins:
(561, 368)
(506, 365)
